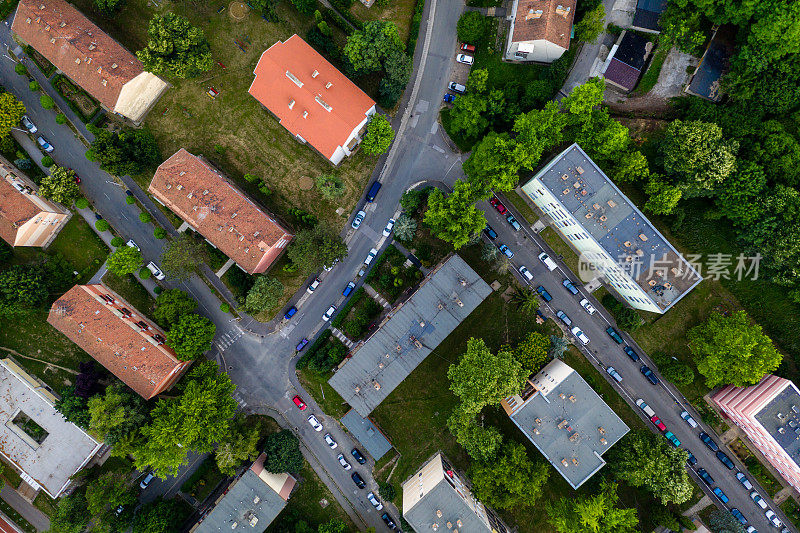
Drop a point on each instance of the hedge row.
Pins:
(413, 31)
(357, 296)
(56, 82)
(315, 346)
(342, 7)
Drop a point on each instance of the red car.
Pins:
(497, 205)
(659, 424)
(467, 48)
(299, 403)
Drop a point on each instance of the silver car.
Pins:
(374, 501)
(359, 218)
(29, 125)
(329, 313)
(343, 462)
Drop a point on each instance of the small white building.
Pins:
(540, 30)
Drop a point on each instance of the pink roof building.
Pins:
(769, 413)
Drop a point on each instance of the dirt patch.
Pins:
(642, 128)
(647, 105)
(238, 10)
(305, 183)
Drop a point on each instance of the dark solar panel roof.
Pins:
(712, 66)
(367, 434)
(646, 19)
(632, 50)
(654, 6)
(623, 75)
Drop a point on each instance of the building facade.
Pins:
(614, 239)
(27, 219)
(769, 414)
(540, 30)
(439, 498)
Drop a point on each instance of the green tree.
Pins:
(159, 516)
(60, 186)
(387, 491)
(596, 513)
(196, 420)
(265, 294)
(116, 414)
(70, 515)
(11, 111)
(190, 336)
(644, 459)
(306, 7)
(73, 407)
(238, 448)
(473, 28)
(525, 300)
(558, 345)
(126, 151)
(378, 136)
(721, 521)
(106, 493)
(334, 525)
(23, 286)
(480, 442)
(455, 218)
(175, 48)
(47, 102)
(405, 228)
(683, 29)
(663, 198)
(366, 49)
(537, 131)
(330, 187)
(283, 453)
(171, 304)
(697, 155)
(124, 260)
(533, 352)
(315, 248)
(468, 115)
(109, 7)
(181, 257)
(510, 481)
(583, 99)
(492, 165)
(482, 378)
(731, 350)
(397, 68)
(679, 373)
(632, 166)
(591, 25)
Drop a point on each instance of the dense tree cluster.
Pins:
(126, 151)
(175, 48)
(596, 513)
(313, 249)
(378, 48)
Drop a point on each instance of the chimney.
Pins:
(315, 74)
(62, 24)
(328, 85)
(92, 46)
(563, 11)
(291, 104)
(305, 114)
(114, 65)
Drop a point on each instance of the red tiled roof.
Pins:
(223, 214)
(332, 112)
(75, 45)
(117, 342)
(549, 20)
(15, 210)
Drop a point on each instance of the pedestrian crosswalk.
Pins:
(341, 336)
(224, 341)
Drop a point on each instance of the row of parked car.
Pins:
(31, 128)
(465, 59)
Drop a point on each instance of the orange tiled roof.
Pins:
(223, 214)
(15, 210)
(75, 45)
(108, 331)
(553, 24)
(332, 104)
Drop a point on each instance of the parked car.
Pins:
(569, 286)
(146, 481)
(358, 219)
(744, 481)
(632, 354)
(691, 460)
(581, 336)
(314, 423)
(724, 459)
(705, 477)
(708, 441)
(46, 146)
(467, 48)
(614, 334)
(465, 59)
(513, 221)
(688, 418)
(721, 495)
(457, 87)
(373, 191)
(302, 344)
(389, 227)
(370, 256)
(132, 244)
(651, 377)
(672, 438)
(506, 251)
(329, 313)
(347, 290)
(497, 204)
(343, 462)
(28, 124)
(756, 497)
(549, 263)
(327, 268)
(770, 514)
(589, 307)
(313, 285)
(739, 516)
(526, 273)
(358, 480)
(155, 271)
(330, 442)
(449, 98)
(543, 293)
(290, 312)
(490, 232)
(614, 374)
(374, 501)
(299, 403)
(358, 456)
(646, 408)
(658, 423)
(564, 318)
(388, 521)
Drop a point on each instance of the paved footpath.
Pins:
(37, 519)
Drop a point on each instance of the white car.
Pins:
(525, 272)
(327, 268)
(46, 146)
(389, 227)
(688, 419)
(770, 514)
(549, 263)
(370, 256)
(359, 218)
(155, 270)
(586, 305)
(314, 423)
(744, 481)
(329, 441)
(374, 501)
(329, 313)
(758, 499)
(464, 58)
(132, 244)
(146, 481)
(29, 125)
(343, 462)
(646, 408)
(314, 284)
(581, 336)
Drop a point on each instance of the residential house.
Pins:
(313, 100)
(27, 219)
(213, 206)
(626, 61)
(119, 337)
(647, 15)
(715, 63)
(89, 57)
(540, 30)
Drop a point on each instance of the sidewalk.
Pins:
(37, 519)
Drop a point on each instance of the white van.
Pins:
(646, 408)
(525, 272)
(549, 263)
(370, 256)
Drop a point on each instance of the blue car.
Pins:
(739, 516)
(449, 98)
(290, 313)
(301, 345)
(649, 374)
(506, 251)
(347, 290)
(721, 495)
(724, 459)
(492, 234)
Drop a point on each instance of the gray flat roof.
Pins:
(787, 403)
(618, 226)
(569, 427)
(443, 498)
(66, 448)
(367, 434)
(409, 333)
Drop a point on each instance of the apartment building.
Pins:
(540, 30)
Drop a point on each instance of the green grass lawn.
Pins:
(45, 504)
(522, 206)
(560, 247)
(129, 288)
(756, 469)
(650, 76)
(791, 510)
(397, 11)
(317, 385)
(204, 480)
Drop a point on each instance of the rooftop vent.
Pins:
(572, 398)
(305, 114)
(53, 41)
(439, 513)
(534, 14)
(104, 82)
(376, 385)
(205, 192)
(92, 46)
(234, 215)
(41, 6)
(291, 104)
(563, 11)
(575, 461)
(643, 237)
(323, 103)
(603, 441)
(564, 462)
(77, 59)
(579, 170)
(328, 85)
(315, 74)
(611, 203)
(602, 430)
(114, 65)
(294, 79)
(47, 28)
(781, 430)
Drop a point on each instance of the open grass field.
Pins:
(327, 398)
(522, 206)
(129, 288)
(560, 246)
(397, 11)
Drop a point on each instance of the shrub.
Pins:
(102, 225)
(330, 187)
(20, 69)
(130, 200)
(34, 85)
(61, 118)
(250, 177)
(159, 233)
(145, 273)
(265, 190)
(627, 318)
(225, 308)
(90, 155)
(47, 102)
(47, 161)
(81, 203)
(387, 491)
(219, 149)
(145, 217)
(158, 289)
(117, 241)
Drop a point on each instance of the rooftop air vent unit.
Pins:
(328, 85)
(315, 74)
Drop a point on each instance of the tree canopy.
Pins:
(70, 515)
(512, 480)
(159, 516)
(238, 448)
(106, 493)
(596, 513)
(482, 378)
(124, 260)
(181, 257)
(313, 249)
(378, 136)
(60, 186)
(171, 304)
(11, 111)
(190, 336)
(264, 294)
(533, 351)
(116, 414)
(367, 49)
(282, 451)
(175, 48)
(455, 218)
(126, 151)
(697, 155)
